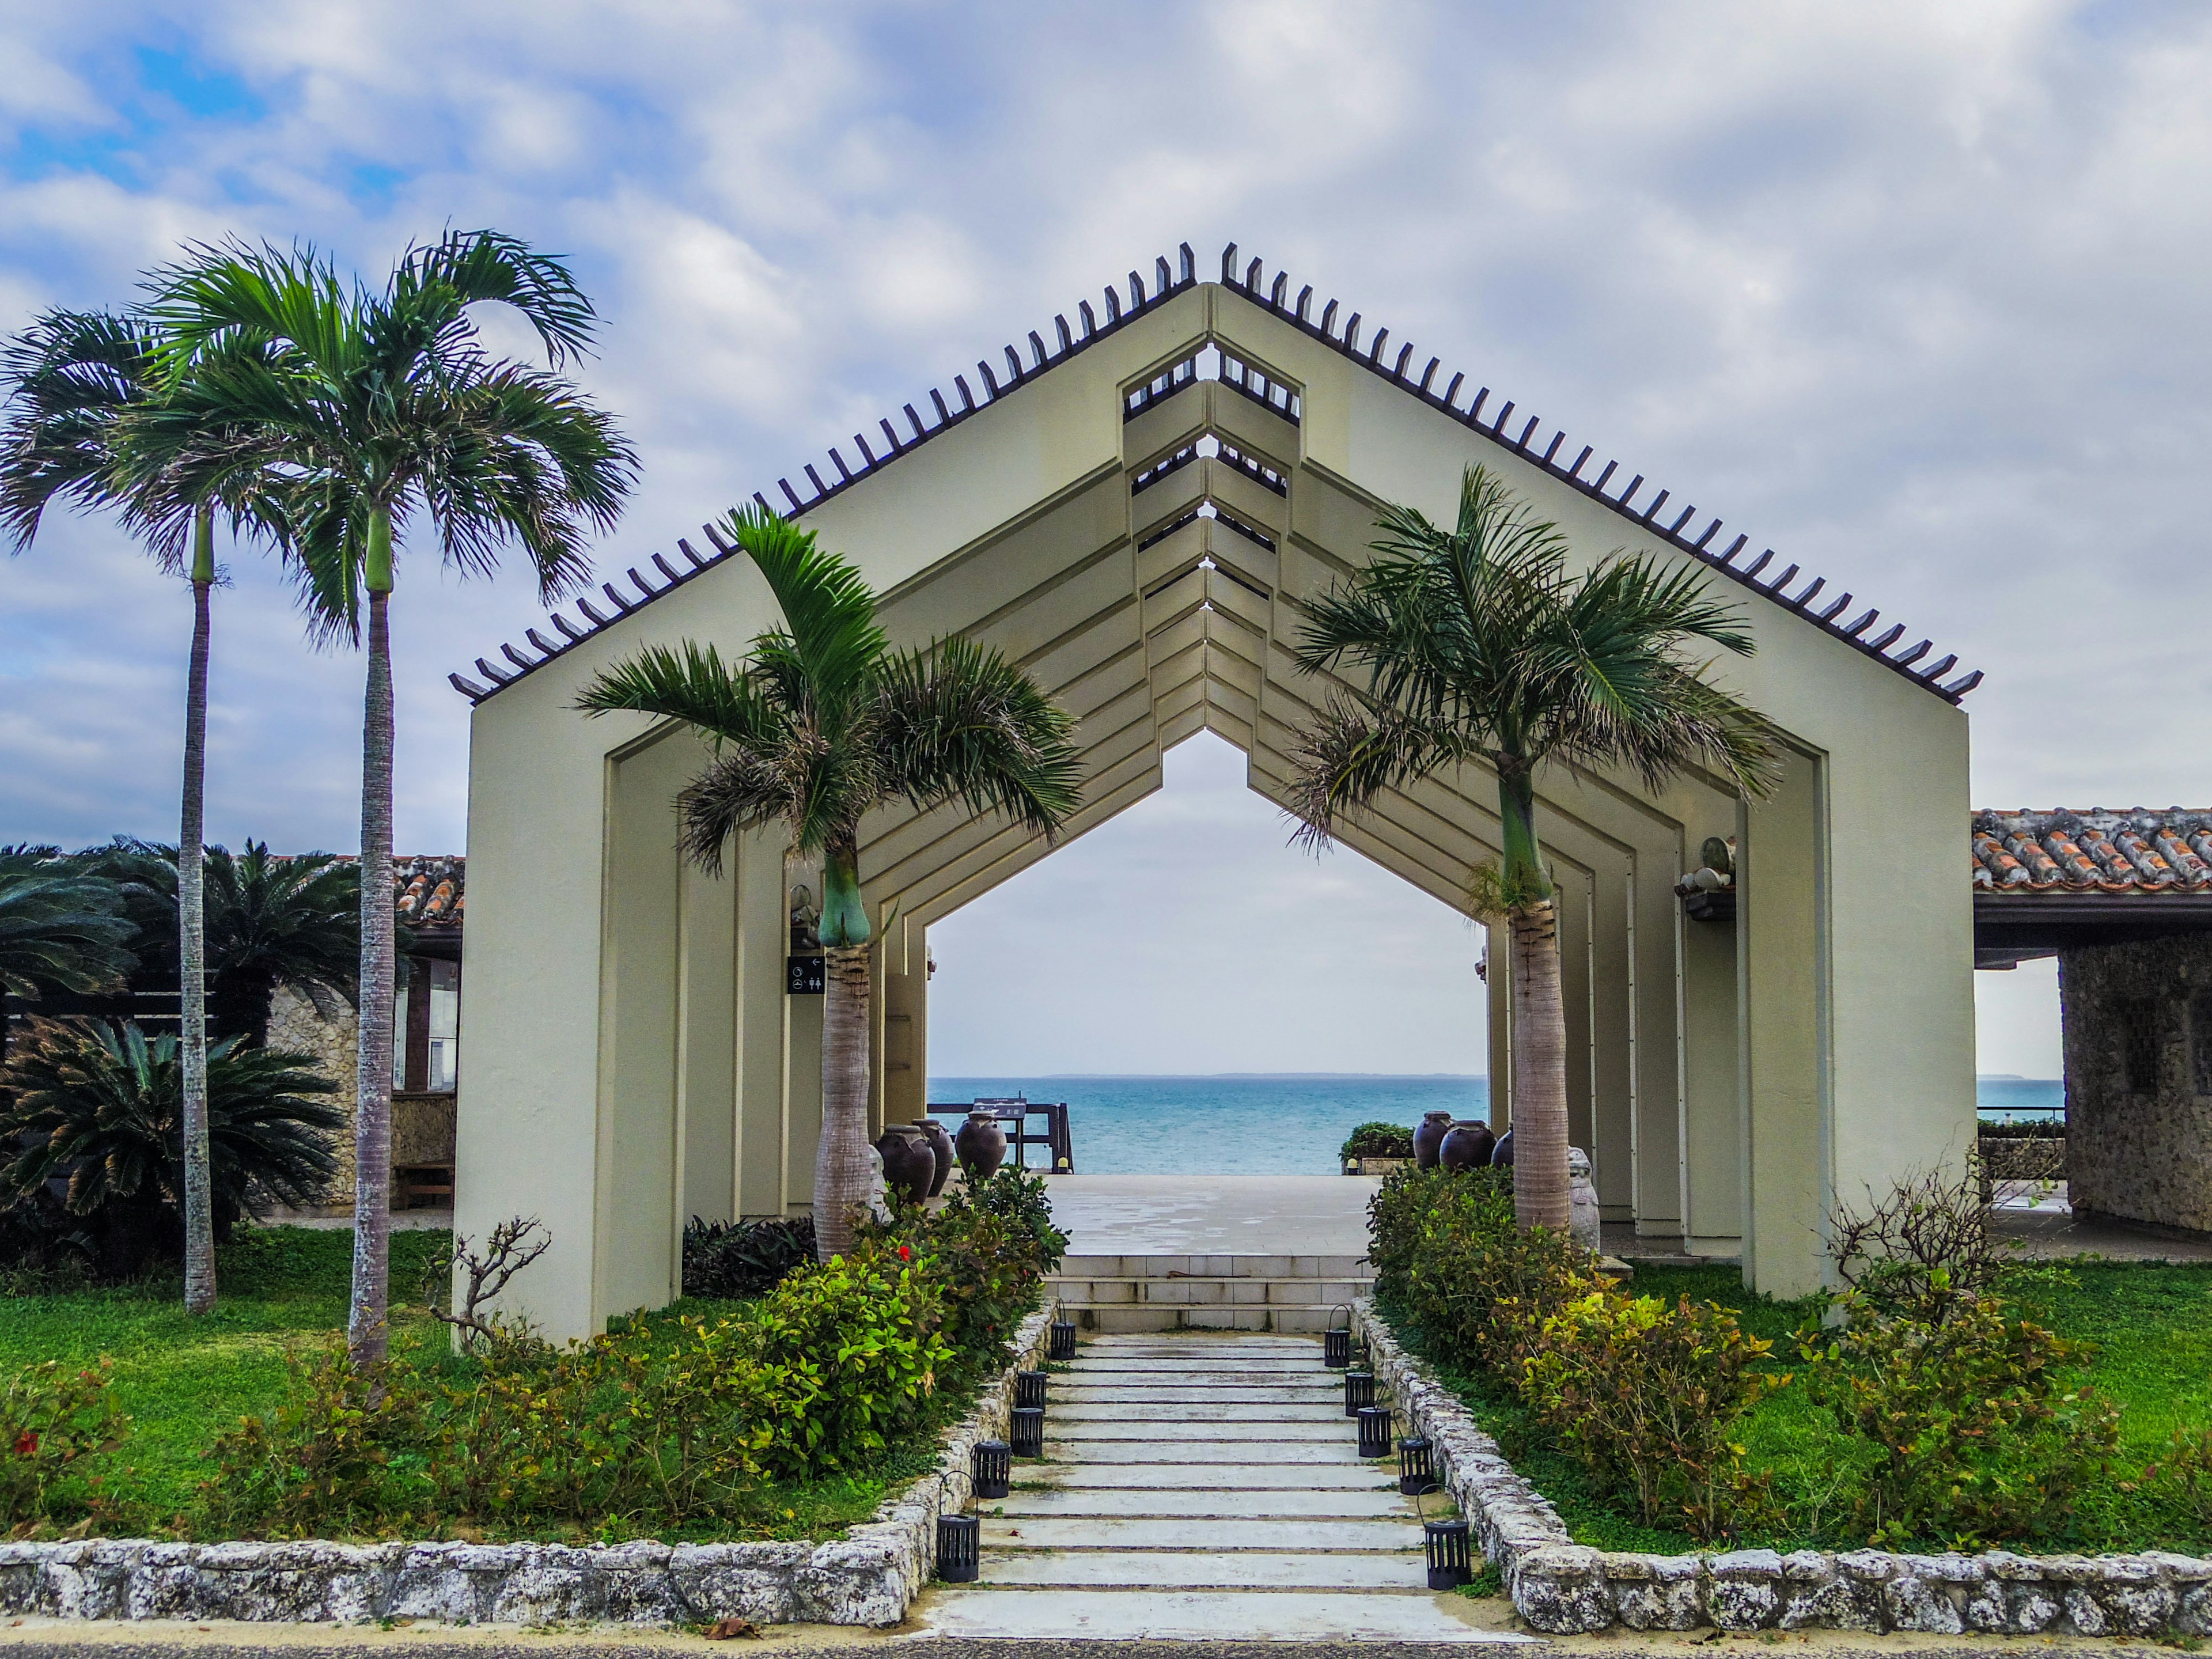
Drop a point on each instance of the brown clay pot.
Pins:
(1430, 1135)
(909, 1164)
(940, 1146)
(1467, 1147)
(981, 1144)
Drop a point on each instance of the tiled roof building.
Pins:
(430, 892)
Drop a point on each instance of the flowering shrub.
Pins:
(53, 1421)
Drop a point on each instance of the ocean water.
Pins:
(1290, 1124)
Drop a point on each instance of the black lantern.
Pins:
(1336, 1345)
(1063, 1339)
(1029, 1432)
(1417, 1466)
(959, 1549)
(1448, 1557)
(1359, 1391)
(1373, 1431)
(1029, 1388)
(992, 1463)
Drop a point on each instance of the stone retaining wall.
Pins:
(1563, 1588)
(867, 1578)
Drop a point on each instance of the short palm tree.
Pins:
(381, 406)
(99, 1105)
(62, 928)
(77, 383)
(1478, 646)
(821, 723)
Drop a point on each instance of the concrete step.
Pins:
(1265, 1504)
(1138, 1318)
(1073, 1533)
(1095, 1475)
(978, 1611)
(1086, 1367)
(1152, 1449)
(1202, 1410)
(1169, 1433)
(1211, 1292)
(1135, 1570)
(1234, 1265)
(1170, 1391)
(1105, 1345)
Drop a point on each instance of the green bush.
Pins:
(54, 1426)
(1378, 1139)
(1975, 1437)
(1447, 1251)
(1647, 1397)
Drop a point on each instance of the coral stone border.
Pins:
(867, 1578)
(1564, 1588)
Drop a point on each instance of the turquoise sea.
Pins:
(1290, 1124)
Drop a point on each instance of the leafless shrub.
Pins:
(513, 1245)
(1924, 1247)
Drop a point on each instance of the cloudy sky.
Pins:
(1912, 293)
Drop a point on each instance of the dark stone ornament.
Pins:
(909, 1164)
(1434, 1126)
(940, 1147)
(981, 1144)
(1501, 1155)
(1467, 1147)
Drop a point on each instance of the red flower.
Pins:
(905, 1254)
(26, 1444)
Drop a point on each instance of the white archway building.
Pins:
(1136, 510)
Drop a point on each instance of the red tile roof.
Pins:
(430, 892)
(2138, 851)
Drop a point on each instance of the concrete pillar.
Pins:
(802, 1071)
(903, 1060)
(763, 939)
(633, 1221)
(1713, 1111)
(707, 1019)
(1783, 990)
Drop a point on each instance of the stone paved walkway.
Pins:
(1201, 1486)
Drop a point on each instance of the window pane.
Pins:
(399, 1078)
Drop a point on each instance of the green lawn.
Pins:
(282, 1291)
(2152, 1328)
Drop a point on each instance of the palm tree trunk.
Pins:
(191, 940)
(1539, 1015)
(842, 1167)
(367, 1328)
(1540, 1070)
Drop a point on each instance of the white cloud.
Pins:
(1912, 293)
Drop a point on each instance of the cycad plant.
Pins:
(1477, 647)
(78, 385)
(99, 1105)
(385, 407)
(62, 928)
(822, 722)
(271, 921)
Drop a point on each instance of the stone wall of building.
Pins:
(330, 1037)
(2138, 1035)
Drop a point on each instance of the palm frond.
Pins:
(827, 607)
(691, 684)
(958, 721)
(1351, 751)
(463, 267)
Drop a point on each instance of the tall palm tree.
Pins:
(822, 722)
(383, 406)
(75, 380)
(1478, 646)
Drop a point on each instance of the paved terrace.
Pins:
(1213, 1214)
